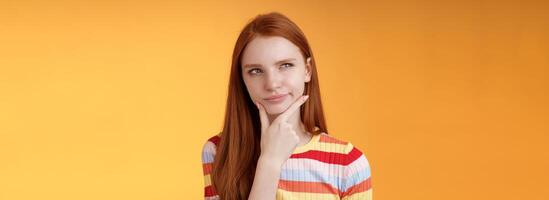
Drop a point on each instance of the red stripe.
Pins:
(358, 188)
(328, 139)
(207, 168)
(209, 191)
(330, 157)
(215, 139)
(353, 155)
(310, 187)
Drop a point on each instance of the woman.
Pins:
(274, 142)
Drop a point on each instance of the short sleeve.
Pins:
(208, 154)
(356, 180)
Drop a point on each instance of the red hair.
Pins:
(239, 147)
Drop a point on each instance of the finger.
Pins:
(262, 117)
(292, 109)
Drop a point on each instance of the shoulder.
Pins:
(349, 150)
(209, 148)
(338, 145)
(356, 173)
(330, 150)
(213, 140)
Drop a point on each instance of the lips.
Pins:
(276, 98)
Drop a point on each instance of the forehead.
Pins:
(267, 50)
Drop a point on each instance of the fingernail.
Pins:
(305, 97)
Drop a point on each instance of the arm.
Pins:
(357, 181)
(266, 179)
(278, 141)
(208, 154)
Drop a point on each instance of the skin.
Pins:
(264, 77)
(272, 66)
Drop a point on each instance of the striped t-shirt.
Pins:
(324, 168)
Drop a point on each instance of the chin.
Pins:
(276, 109)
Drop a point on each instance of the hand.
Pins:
(279, 139)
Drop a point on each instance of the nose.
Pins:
(273, 81)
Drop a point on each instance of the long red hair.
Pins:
(239, 147)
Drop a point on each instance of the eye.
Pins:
(254, 71)
(288, 65)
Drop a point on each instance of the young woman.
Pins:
(274, 143)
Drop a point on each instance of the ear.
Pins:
(308, 70)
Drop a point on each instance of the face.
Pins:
(274, 72)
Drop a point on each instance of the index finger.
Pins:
(262, 117)
(291, 110)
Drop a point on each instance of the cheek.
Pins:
(297, 86)
(253, 88)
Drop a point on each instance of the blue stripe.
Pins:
(207, 157)
(310, 176)
(356, 178)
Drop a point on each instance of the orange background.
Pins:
(114, 99)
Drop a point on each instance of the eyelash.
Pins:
(251, 70)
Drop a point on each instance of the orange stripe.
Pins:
(207, 168)
(311, 187)
(361, 187)
(328, 139)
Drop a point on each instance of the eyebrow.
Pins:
(276, 63)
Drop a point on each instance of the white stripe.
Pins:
(216, 197)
